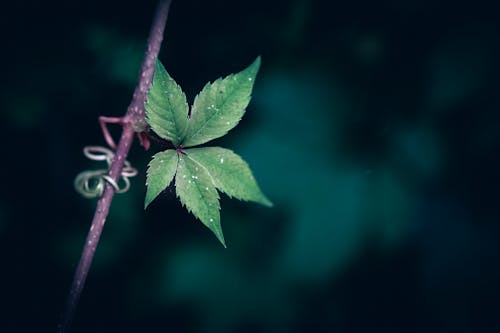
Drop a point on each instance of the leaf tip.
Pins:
(147, 200)
(223, 243)
(254, 67)
(258, 60)
(158, 64)
(266, 202)
(220, 236)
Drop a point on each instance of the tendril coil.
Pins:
(90, 183)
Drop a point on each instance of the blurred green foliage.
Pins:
(118, 56)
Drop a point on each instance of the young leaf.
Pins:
(166, 107)
(196, 191)
(220, 106)
(229, 173)
(161, 171)
(199, 172)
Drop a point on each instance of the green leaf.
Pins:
(199, 172)
(161, 171)
(166, 107)
(220, 106)
(197, 192)
(229, 172)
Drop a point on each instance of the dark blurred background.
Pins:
(374, 128)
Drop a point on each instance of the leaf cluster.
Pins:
(203, 171)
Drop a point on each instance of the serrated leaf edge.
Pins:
(220, 236)
(256, 62)
(146, 203)
(266, 202)
(179, 136)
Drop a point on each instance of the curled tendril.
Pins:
(90, 184)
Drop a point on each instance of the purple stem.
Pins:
(133, 121)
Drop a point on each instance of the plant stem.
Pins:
(133, 122)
